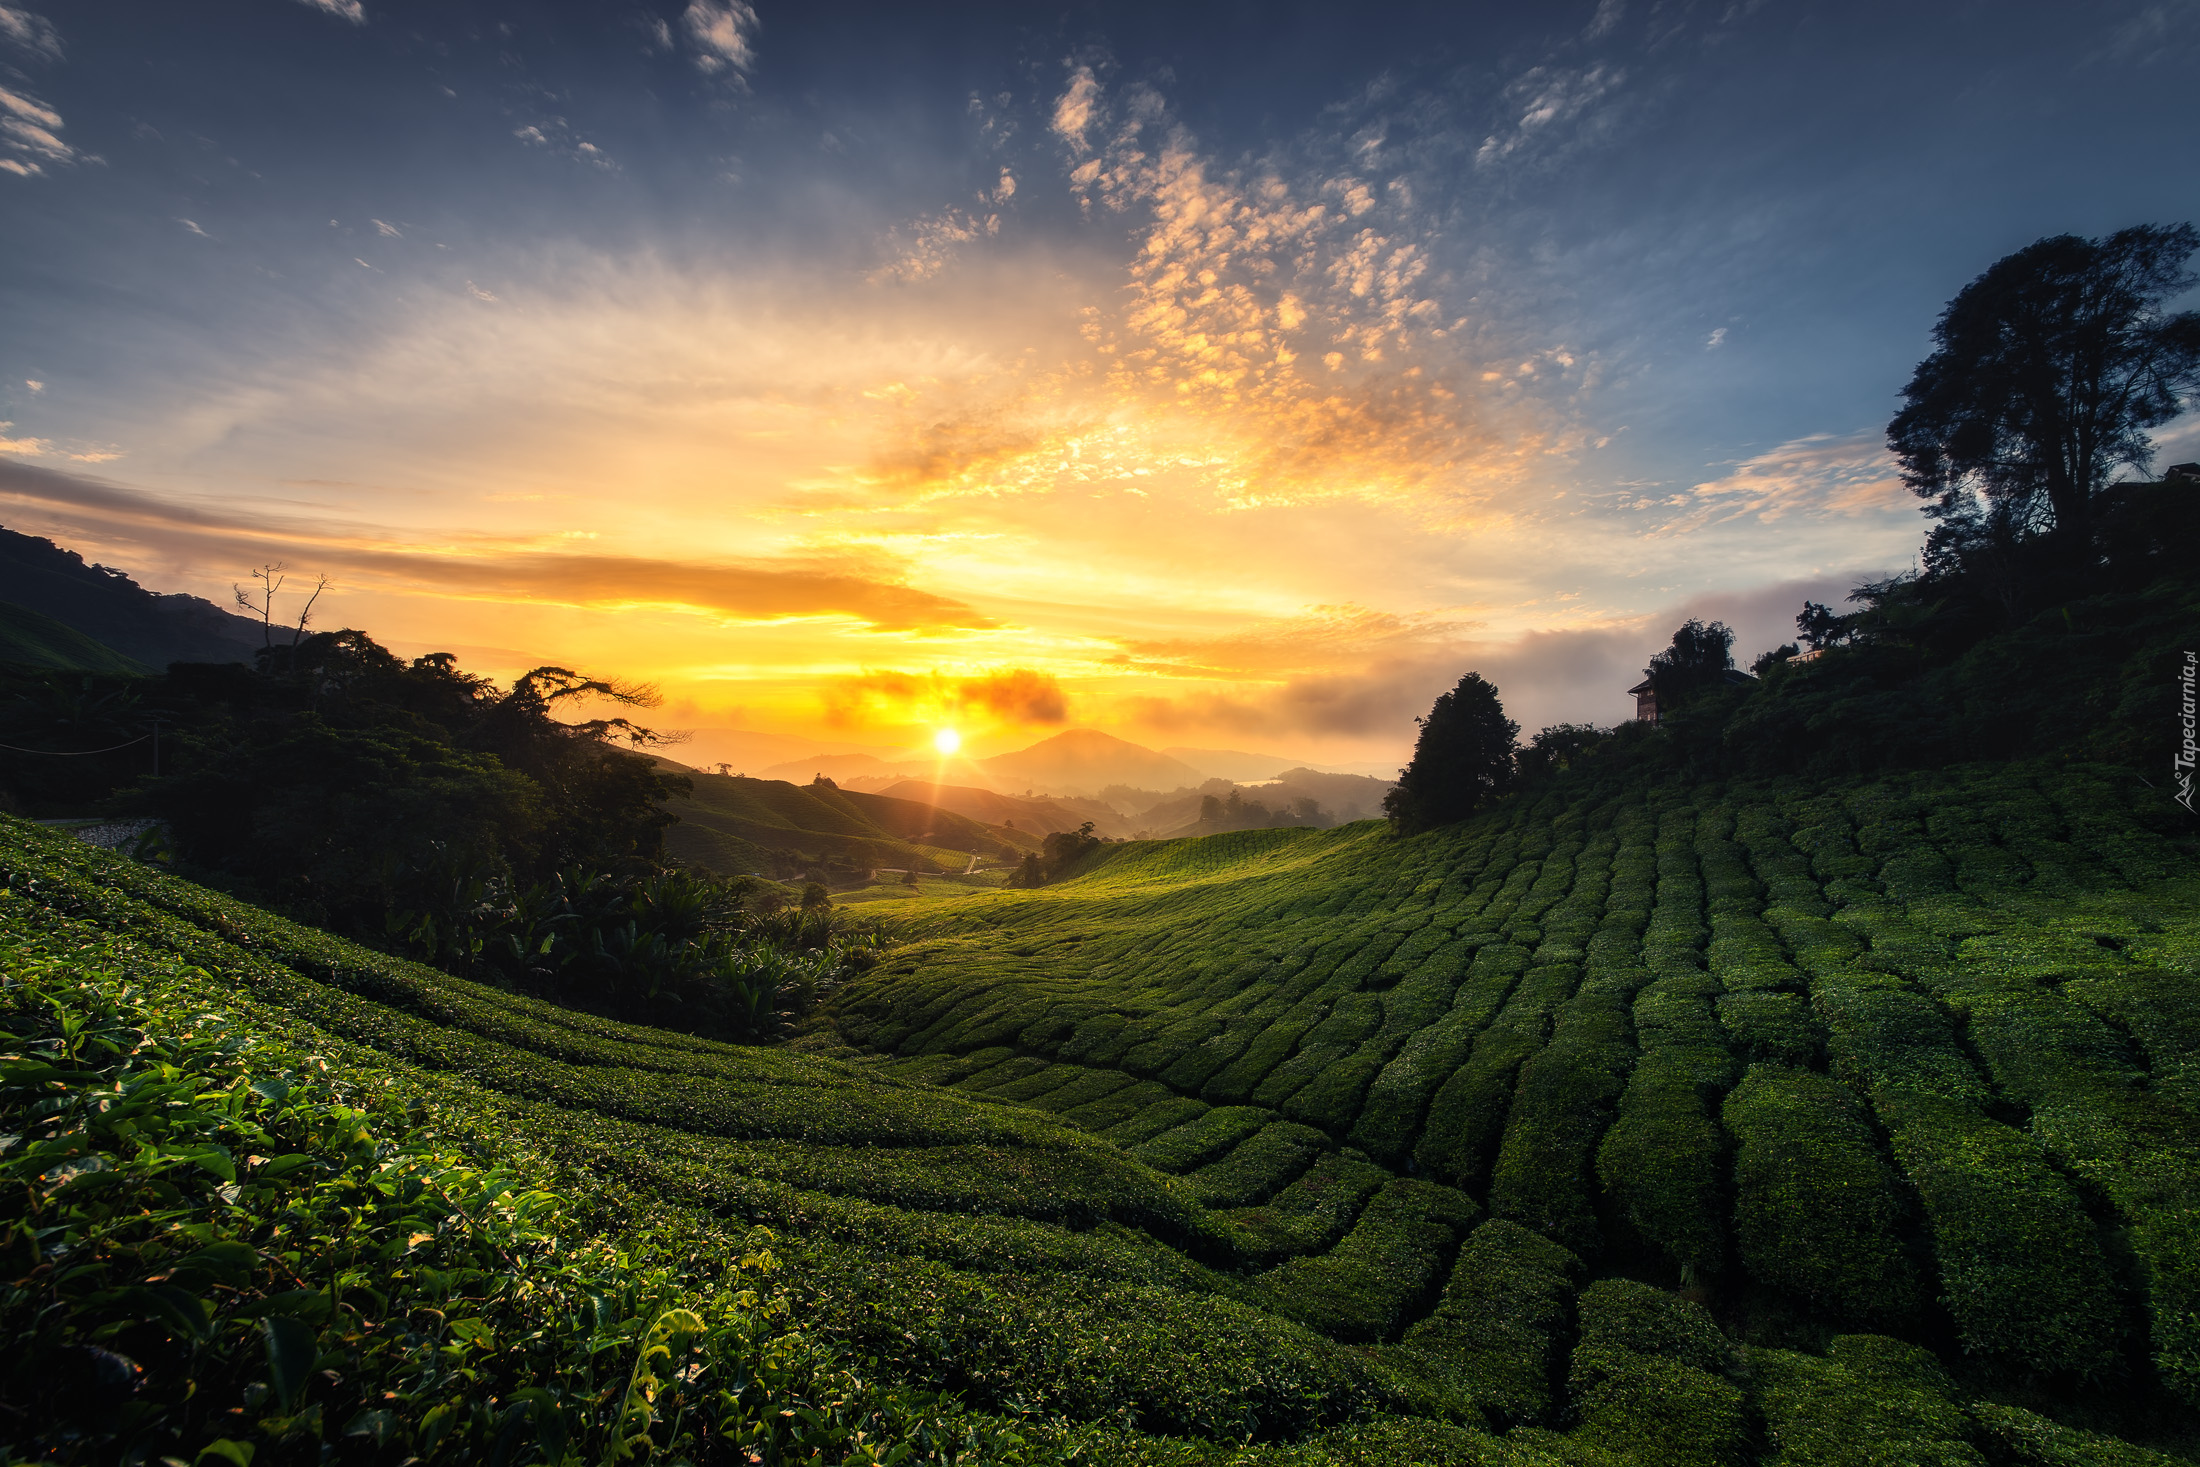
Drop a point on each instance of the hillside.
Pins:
(29, 639)
(104, 604)
(1913, 1058)
(733, 824)
(1809, 1124)
(1041, 816)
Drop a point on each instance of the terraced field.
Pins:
(1701, 1125)
(1912, 1057)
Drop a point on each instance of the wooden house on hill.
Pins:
(1646, 696)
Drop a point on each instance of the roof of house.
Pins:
(1733, 676)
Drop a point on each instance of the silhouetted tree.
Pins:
(1065, 848)
(1820, 626)
(1557, 747)
(1700, 657)
(1462, 760)
(1766, 661)
(2047, 371)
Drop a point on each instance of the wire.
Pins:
(75, 753)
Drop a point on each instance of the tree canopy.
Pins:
(1699, 657)
(1462, 760)
(2047, 371)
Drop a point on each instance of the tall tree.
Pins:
(1699, 658)
(2047, 371)
(1462, 760)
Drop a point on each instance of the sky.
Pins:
(1215, 375)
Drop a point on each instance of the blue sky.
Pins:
(1249, 371)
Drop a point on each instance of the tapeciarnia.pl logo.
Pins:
(2188, 718)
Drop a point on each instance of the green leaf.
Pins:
(473, 1332)
(551, 1432)
(271, 1088)
(291, 1351)
(229, 1263)
(225, 1450)
(215, 1161)
(379, 1427)
(310, 1305)
(184, 1312)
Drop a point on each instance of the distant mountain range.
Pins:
(1080, 763)
(733, 824)
(59, 612)
(112, 611)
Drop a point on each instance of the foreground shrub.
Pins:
(1816, 1211)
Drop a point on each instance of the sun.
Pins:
(947, 741)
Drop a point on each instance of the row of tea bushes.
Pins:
(1008, 1256)
(1551, 1006)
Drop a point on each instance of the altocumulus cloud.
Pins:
(722, 33)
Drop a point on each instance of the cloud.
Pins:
(1824, 474)
(191, 227)
(1715, 340)
(553, 133)
(723, 34)
(2164, 31)
(1552, 109)
(1567, 675)
(818, 587)
(1077, 109)
(1016, 695)
(351, 10)
(386, 229)
(30, 32)
(30, 131)
(33, 446)
(923, 248)
(1290, 306)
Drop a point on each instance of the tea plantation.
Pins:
(1798, 1124)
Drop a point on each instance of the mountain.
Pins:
(1345, 797)
(1085, 761)
(749, 752)
(835, 767)
(734, 824)
(106, 605)
(30, 639)
(1042, 816)
(877, 769)
(1235, 765)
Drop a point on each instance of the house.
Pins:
(2189, 472)
(1646, 696)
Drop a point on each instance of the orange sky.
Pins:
(1228, 468)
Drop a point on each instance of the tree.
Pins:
(1462, 760)
(2047, 371)
(1700, 657)
(1556, 748)
(1065, 848)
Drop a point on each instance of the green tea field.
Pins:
(1841, 1124)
